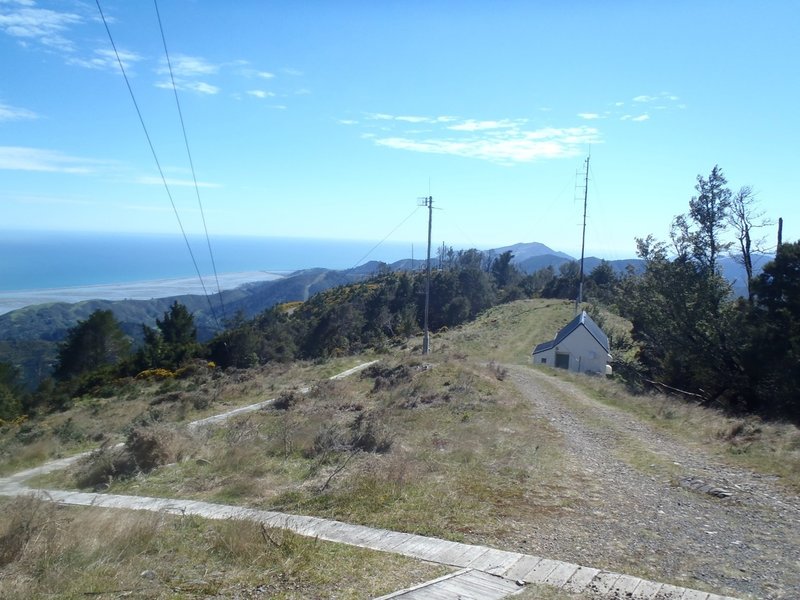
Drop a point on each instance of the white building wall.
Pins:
(585, 353)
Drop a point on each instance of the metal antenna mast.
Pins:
(583, 236)
(426, 340)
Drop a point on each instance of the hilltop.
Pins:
(469, 444)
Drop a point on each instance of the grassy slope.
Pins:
(467, 461)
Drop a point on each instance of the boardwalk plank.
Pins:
(670, 592)
(523, 566)
(646, 590)
(461, 554)
(540, 572)
(561, 574)
(581, 579)
(603, 583)
(495, 561)
(625, 586)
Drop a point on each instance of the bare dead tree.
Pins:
(745, 217)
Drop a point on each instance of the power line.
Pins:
(191, 162)
(158, 163)
(358, 262)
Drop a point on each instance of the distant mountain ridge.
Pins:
(29, 336)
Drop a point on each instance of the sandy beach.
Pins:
(137, 290)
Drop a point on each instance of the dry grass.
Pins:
(93, 421)
(51, 551)
(443, 448)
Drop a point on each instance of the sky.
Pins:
(332, 119)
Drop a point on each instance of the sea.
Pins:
(39, 267)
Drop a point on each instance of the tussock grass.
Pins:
(93, 421)
(441, 447)
(71, 552)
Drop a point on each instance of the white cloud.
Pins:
(473, 125)
(13, 113)
(663, 97)
(194, 86)
(588, 116)
(347, 122)
(293, 72)
(176, 182)
(265, 74)
(21, 158)
(21, 20)
(107, 59)
(503, 141)
(187, 67)
(505, 146)
(641, 118)
(202, 88)
(413, 119)
(261, 94)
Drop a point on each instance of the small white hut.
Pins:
(580, 346)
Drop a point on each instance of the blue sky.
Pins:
(329, 119)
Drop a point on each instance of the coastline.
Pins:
(135, 290)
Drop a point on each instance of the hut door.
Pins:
(562, 360)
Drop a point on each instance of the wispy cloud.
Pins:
(188, 67)
(261, 93)
(661, 97)
(22, 158)
(107, 60)
(641, 118)
(189, 73)
(265, 75)
(589, 116)
(473, 125)
(176, 182)
(13, 113)
(22, 20)
(502, 141)
(201, 87)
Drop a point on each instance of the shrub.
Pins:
(286, 400)
(151, 447)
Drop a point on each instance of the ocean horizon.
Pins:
(42, 267)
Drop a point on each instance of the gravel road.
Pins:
(642, 521)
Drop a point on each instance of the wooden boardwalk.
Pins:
(483, 572)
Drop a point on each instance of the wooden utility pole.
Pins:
(426, 340)
(579, 300)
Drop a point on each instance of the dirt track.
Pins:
(643, 521)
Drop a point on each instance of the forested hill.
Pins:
(50, 322)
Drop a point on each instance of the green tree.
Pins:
(774, 363)
(684, 336)
(11, 392)
(565, 284)
(708, 218)
(172, 343)
(503, 270)
(91, 344)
